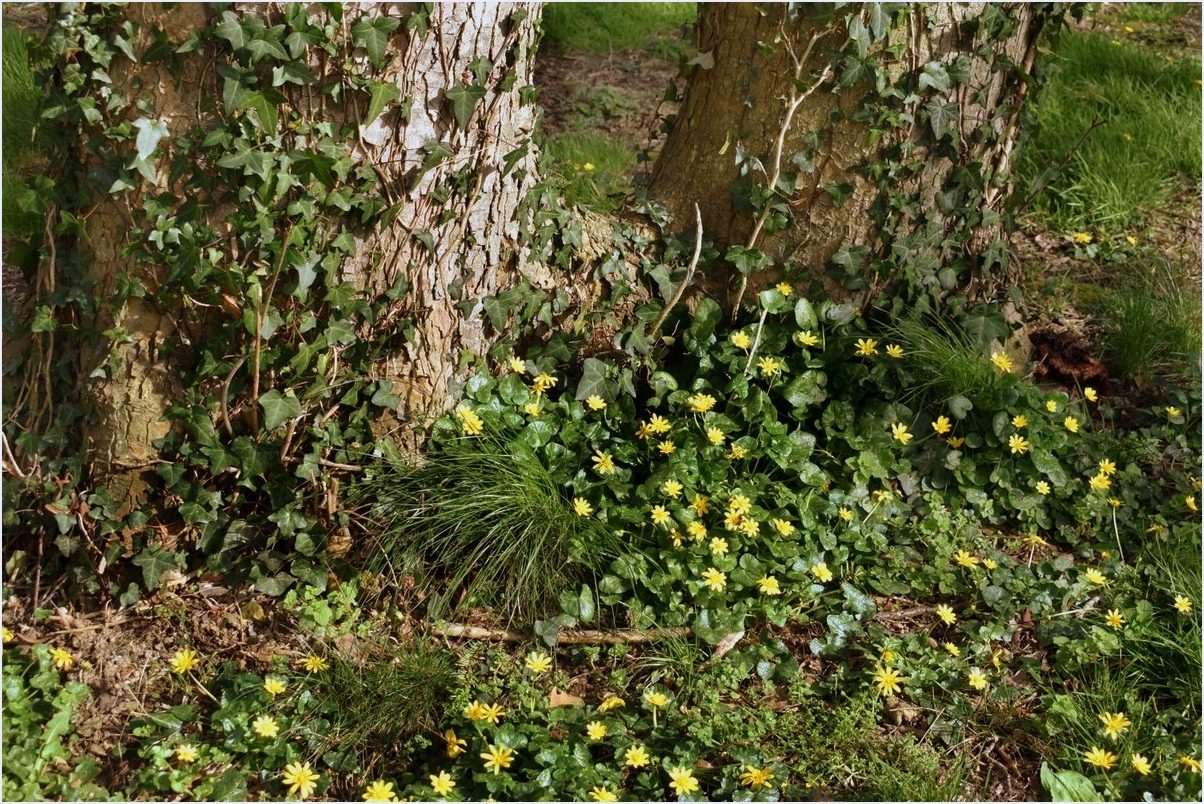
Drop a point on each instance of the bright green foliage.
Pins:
(39, 723)
(604, 28)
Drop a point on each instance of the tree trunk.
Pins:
(867, 123)
(450, 153)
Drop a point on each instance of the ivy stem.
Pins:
(260, 313)
(681, 289)
(792, 106)
(1116, 530)
(756, 340)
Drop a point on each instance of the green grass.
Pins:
(1151, 325)
(1148, 144)
(1157, 13)
(612, 160)
(605, 27)
(21, 102)
(485, 526)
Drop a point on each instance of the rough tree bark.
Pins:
(471, 253)
(739, 102)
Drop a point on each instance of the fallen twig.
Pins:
(584, 637)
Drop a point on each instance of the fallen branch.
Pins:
(681, 289)
(585, 637)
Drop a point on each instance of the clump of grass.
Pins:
(1148, 143)
(1151, 326)
(21, 101)
(604, 27)
(595, 166)
(378, 704)
(484, 524)
(954, 364)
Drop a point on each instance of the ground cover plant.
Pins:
(823, 551)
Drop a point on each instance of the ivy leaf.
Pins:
(154, 562)
(594, 382)
(264, 108)
(936, 76)
(279, 408)
(149, 134)
(942, 116)
(261, 49)
(840, 193)
(463, 100)
(804, 390)
(804, 315)
(373, 36)
(230, 29)
(381, 94)
(879, 20)
(707, 315)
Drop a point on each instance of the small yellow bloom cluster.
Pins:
(479, 711)
(470, 421)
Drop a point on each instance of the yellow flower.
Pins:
(517, 365)
(381, 790)
(769, 586)
(942, 425)
(672, 488)
(1140, 764)
(1042, 487)
(752, 778)
(274, 686)
(470, 421)
(1191, 763)
(588, 167)
(312, 664)
(1100, 482)
(1172, 412)
(899, 431)
(739, 504)
(538, 663)
(1095, 577)
(1115, 724)
(682, 781)
(531, 409)
(888, 656)
(497, 757)
(750, 527)
(1071, 424)
(845, 514)
(867, 347)
(737, 453)
(265, 726)
(894, 350)
(700, 403)
(1018, 444)
(455, 745)
(1104, 760)
(888, 681)
(1182, 604)
(186, 753)
(821, 572)
(1115, 503)
(1034, 540)
(715, 436)
(1051, 405)
(600, 793)
(1090, 395)
(1002, 361)
(442, 784)
(611, 702)
(955, 442)
(989, 563)
(659, 424)
(301, 779)
(1019, 421)
(479, 711)
(1191, 502)
(604, 464)
(701, 504)
(1106, 467)
(718, 546)
(656, 699)
(946, 614)
(769, 366)
(595, 402)
(667, 448)
(785, 288)
(1082, 238)
(636, 756)
(805, 338)
(1114, 618)
(543, 382)
(183, 661)
(8, 636)
(741, 340)
(977, 679)
(965, 559)
(697, 530)
(782, 526)
(596, 730)
(953, 650)
(660, 515)
(714, 580)
(582, 507)
(1131, 240)
(61, 659)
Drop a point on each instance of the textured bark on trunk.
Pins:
(475, 254)
(741, 100)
